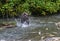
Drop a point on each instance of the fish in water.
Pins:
(24, 19)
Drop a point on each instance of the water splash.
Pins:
(24, 24)
(29, 40)
(19, 24)
(2, 40)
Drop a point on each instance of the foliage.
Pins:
(16, 7)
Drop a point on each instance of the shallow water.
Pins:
(37, 24)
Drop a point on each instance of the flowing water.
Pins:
(38, 27)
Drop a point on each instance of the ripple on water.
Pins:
(19, 32)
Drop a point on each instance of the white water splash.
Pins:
(29, 40)
(24, 24)
(18, 23)
(2, 40)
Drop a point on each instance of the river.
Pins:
(37, 24)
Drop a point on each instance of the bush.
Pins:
(40, 7)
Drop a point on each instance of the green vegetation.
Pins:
(11, 8)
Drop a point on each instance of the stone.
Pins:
(53, 39)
